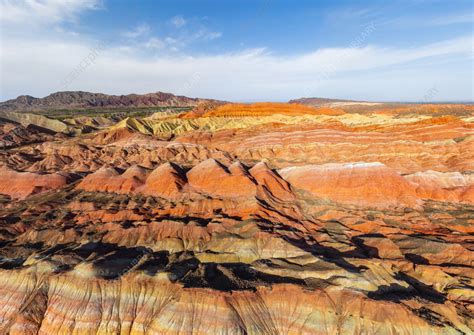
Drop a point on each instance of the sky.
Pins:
(247, 50)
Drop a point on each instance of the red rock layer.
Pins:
(110, 180)
(165, 181)
(211, 177)
(363, 184)
(20, 185)
(436, 144)
(136, 305)
(360, 184)
(292, 222)
(268, 108)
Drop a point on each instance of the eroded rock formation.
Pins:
(236, 219)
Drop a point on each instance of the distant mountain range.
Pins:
(315, 102)
(85, 100)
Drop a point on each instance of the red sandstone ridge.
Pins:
(166, 181)
(440, 179)
(448, 186)
(108, 179)
(20, 185)
(363, 184)
(211, 177)
(261, 109)
(271, 182)
(360, 184)
(133, 178)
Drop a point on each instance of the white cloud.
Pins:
(250, 74)
(450, 19)
(178, 40)
(37, 63)
(168, 44)
(431, 21)
(175, 44)
(213, 35)
(44, 11)
(178, 21)
(171, 40)
(140, 30)
(204, 34)
(154, 43)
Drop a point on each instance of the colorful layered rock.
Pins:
(20, 185)
(243, 219)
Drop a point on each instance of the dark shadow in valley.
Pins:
(416, 259)
(154, 262)
(116, 263)
(201, 222)
(397, 293)
(189, 271)
(328, 254)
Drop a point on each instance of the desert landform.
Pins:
(163, 214)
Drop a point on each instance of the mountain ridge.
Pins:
(82, 99)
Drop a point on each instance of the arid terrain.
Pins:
(160, 214)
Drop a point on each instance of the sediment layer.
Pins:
(238, 219)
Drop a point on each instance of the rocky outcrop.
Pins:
(78, 99)
(166, 181)
(211, 177)
(110, 180)
(136, 305)
(13, 134)
(20, 185)
(363, 184)
(36, 121)
(359, 184)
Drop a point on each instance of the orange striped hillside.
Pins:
(269, 108)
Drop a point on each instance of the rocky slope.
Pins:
(392, 108)
(13, 134)
(243, 219)
(79, 99)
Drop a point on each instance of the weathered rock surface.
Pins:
(167, 181)
(211, 177)
(364, 184)
(243, 219)
(78, 99)
(20, 185)
(35, 120)
(13, 134)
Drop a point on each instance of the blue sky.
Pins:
(262, 50)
